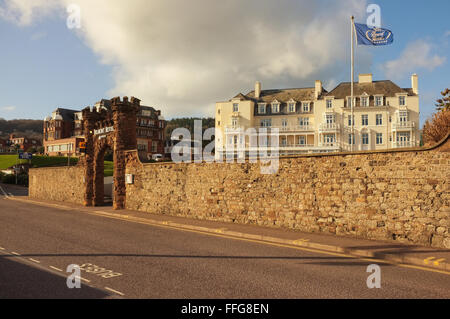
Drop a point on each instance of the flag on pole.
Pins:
(373, 36)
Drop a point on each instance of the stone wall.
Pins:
(388, 195)
(65, 184)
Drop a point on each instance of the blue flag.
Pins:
(373, 36)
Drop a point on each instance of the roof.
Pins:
(67, 114)
(386, 88)
(284, 95)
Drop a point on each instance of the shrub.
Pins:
(436, 128)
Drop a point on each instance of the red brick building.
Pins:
(24, 143)
(3, 146)
(61, 137)
(63, 131)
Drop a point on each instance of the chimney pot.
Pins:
(257, 89)
(415, 83)
(318, 89)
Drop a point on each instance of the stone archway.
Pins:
(113, 128)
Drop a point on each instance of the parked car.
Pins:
(157, 157)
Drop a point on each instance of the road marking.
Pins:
(3, 191)
(99, 271)
(300, 241)
(55, 268)
(14, 253)
(220, 230)
(436, 262)
(115, 291)
(427, 260)
(81, 278)
(107, 215)
(34, 260)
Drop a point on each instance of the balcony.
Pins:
(329, 127)
(407, 125)
(292, 128)
(402, 144)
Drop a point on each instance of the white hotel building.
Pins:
(312, 120)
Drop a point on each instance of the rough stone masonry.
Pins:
(395, 195)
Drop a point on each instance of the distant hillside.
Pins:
(30, 128)
(188, 123)
(33, 128)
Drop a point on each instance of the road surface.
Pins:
(122, 259)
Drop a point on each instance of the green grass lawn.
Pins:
(109, 168)
(7, 161)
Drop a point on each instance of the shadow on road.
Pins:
(18, 280)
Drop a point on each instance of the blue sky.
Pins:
(45, 65)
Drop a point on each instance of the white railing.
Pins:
(329, 127)
(330, 145)
(403, 144)
(403, 125)
(295, 145)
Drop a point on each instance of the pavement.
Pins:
(161, 256)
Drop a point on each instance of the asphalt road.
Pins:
(38, 243)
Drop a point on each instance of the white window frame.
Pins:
(379, 119)
(266, 123)
(235, 107)
(379, 138)
(366, 101)
(291, 107)
(302, 140)
(303, 121)
(365, 138)
(306, 105)
(364, 119)
(400, 99)
(351, 139)
(350, 121)
(329, 103)
(378, 100)
(275, 107)
(262, 106)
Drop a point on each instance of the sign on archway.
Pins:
(111, 128)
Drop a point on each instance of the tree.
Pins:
(444, 103)
(436, 128)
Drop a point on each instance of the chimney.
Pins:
(257, 89)
(415, 83)
(365, 78)
(318, 89)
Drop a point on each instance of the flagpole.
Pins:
(353, 79)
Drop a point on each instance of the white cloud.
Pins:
(447, 34)
(23, 12)
(417, 55)
(183, 56)
(8, 108)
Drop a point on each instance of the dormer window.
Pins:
(364, 101)
(402, 100)
(305, 107)
(235, 107)
(291, 107)
(262, 108)
(378, 101)
(275, 107)
(329, 103)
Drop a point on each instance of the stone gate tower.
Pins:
(108, 128)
